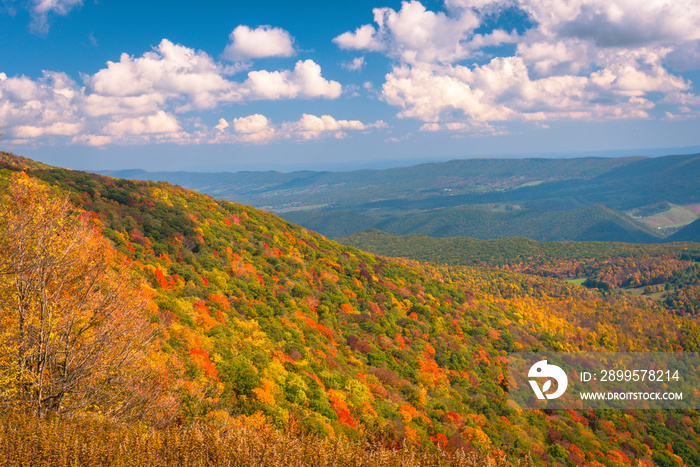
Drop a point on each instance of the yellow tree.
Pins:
(72, 323)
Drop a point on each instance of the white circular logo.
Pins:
(542, 369)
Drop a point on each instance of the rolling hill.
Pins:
(597, 222)
(464, 251)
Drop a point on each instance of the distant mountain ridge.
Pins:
(281, 190)
(591, 223)
(542, 199)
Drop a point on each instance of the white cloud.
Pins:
(195, 81)
(567, 56)
(254, 129)
(436, 93)
(158, 123)
(472, 128)
(170, 71)
(259, 129)
(41, 9)
(135, 99)
(251, 124)
(222, 125)
(579, 59)
(502, 90)
(415, 34)
(264, 41)
(60, 7)
(462, 4)
(58, 128)
(364, 38)
(94, 140)
(272, 85)
(159, 127)
(618, 23)
(636, 73)
(305, 81)
(20, 89)
(356, 64)
(313, 127)
(43, 107)
(97, 105)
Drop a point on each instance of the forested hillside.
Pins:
(666, 272)
(248, 320)
(591, 223)
(690, 232)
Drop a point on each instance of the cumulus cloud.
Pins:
(34, 108)
(415, 34)
(251, 124)
(259, 129)
(157, 127)
(98, 105)
(313, 127)
(195, 81)
(502, 90)
(264, 41)
(364, 38)
(158, 123)
(462, 4)
(253, 129)
(578, 59)
(222, 125)
(305, 81)
(58, 128)
(560, 57)
(618, 23)
(170, 71)
(136, 99)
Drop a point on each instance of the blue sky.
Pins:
(98, 84)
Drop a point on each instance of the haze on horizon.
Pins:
(280, 85)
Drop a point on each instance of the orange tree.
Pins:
(72, 325)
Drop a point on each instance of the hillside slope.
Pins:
(261, 318)
(689, 233)
(592, 223)
(464, 251)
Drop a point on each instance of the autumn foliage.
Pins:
(257, 319)
(73, 325)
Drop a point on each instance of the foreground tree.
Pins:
(72, 322)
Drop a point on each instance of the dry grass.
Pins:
(26, 441)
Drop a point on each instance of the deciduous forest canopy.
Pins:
(227, 316)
